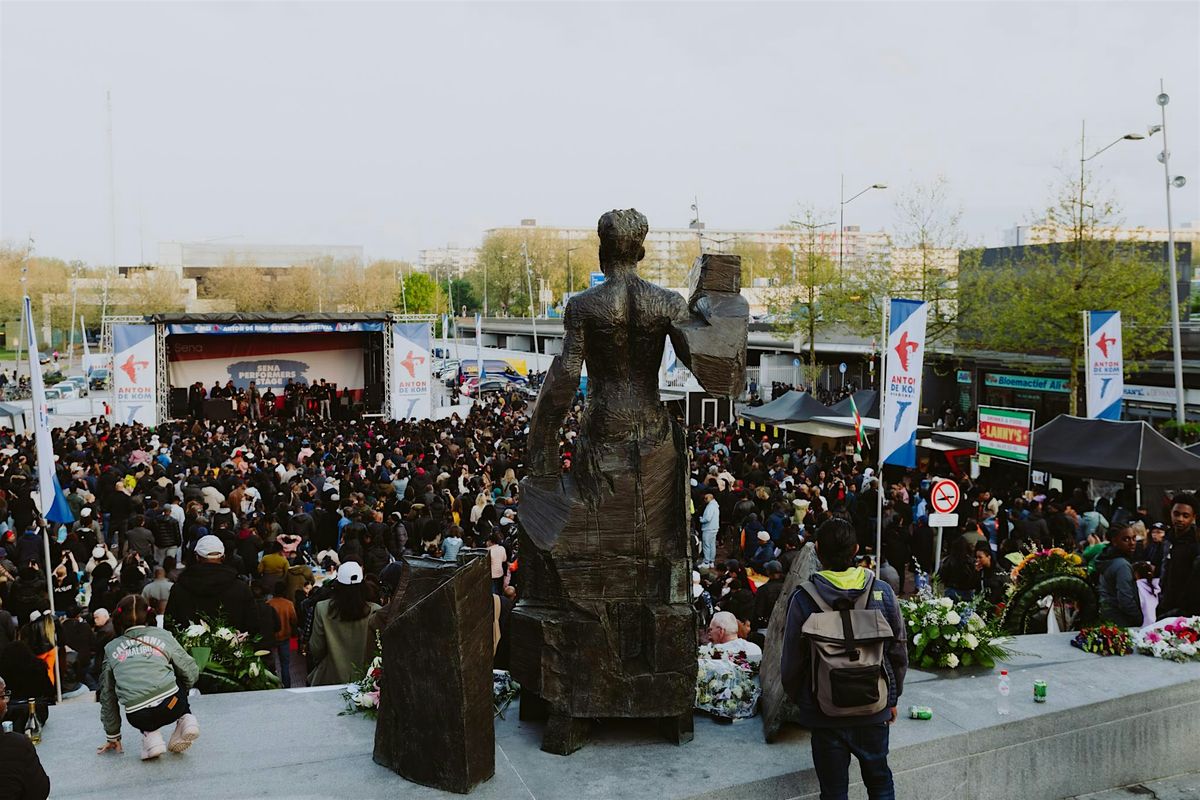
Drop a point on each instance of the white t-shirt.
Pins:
(753, 652)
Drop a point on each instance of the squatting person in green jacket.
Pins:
(148, 672)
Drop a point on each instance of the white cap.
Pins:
(763, 536)
(85, 513)
(210, 546)
(98, 551)
(350, 572)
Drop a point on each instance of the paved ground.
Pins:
(1180, 787)
(294, 745)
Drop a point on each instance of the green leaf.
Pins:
(201, 655)
(967, 658)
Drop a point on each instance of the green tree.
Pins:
(817, 298)
(420, 294)
(1031, 301)
(463, 292)
(926, 240)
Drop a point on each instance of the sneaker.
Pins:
(187, 730)
(152, 745)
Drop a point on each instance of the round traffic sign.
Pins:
(842, 367)
(944, 496)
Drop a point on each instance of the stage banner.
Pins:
(231, 328)
(902, 390)
(135, 376)
(1105, 366)
(412, 385)
(268, 360)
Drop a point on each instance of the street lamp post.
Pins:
(842, 218)
(570, 275)
(1177, 182)
(1131, 137)
(532, 311)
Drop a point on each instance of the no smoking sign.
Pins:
(944, 496)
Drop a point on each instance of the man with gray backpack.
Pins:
(843, 664)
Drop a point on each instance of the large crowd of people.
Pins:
(290, 530)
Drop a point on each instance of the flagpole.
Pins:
(883, 347)
(45, 462)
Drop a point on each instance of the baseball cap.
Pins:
(98, 551)
(210, 546)
(763, 536)
(85, 512)
(350, 572)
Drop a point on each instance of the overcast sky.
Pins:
(399, 126)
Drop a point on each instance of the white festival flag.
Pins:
(1105, 365)
(902, 389)
(52, 503)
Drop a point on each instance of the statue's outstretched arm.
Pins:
(709, 331)
(554, 399)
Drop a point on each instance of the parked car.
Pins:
(473, 387)
(99, 379)
(66, 390)
(79, 382)
(53, 393)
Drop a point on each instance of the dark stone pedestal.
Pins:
(435, 722)
(639, 662)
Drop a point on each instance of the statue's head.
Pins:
(621, 236)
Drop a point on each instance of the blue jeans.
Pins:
(708, 542)
(831, 750)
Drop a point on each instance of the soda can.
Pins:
(920, 712)
(1039, 691)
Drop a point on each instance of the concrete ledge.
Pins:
(1109, 722)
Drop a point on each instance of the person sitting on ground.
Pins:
(149, 673)
(723, 635)
(21, 774)
(1119, 601)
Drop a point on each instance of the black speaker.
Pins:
(179, 403)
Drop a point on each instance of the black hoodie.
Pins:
(212, 590)
(1119, 600)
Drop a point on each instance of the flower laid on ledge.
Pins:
(1174, 639)
(1104, 640)
(363, 697)
(504, 691)
(946, 634)
(226, 663)
(726, 684)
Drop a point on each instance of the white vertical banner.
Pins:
(135, 375)
(479, 345)
(902, 382)
(1105, 365)
(412, 383)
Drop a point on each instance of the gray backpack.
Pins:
(847, 651)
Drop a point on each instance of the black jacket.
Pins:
(1119, 600)
(212, 590)
(21, 773)
(1177, 571)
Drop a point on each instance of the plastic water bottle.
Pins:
(1002, 704)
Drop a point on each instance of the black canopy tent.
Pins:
(791, 407)
(1121, 451)
(865, 400)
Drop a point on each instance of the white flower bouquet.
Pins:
(726, 684)
(945, 634)
(1173, 639)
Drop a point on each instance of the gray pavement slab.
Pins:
(1109, 722)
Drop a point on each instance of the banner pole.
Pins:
(1087, 371)
(883, 347)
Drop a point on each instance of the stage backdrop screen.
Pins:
(267, 359)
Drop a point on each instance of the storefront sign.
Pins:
(1004, 433)
(964, 376)
(1028, 383)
